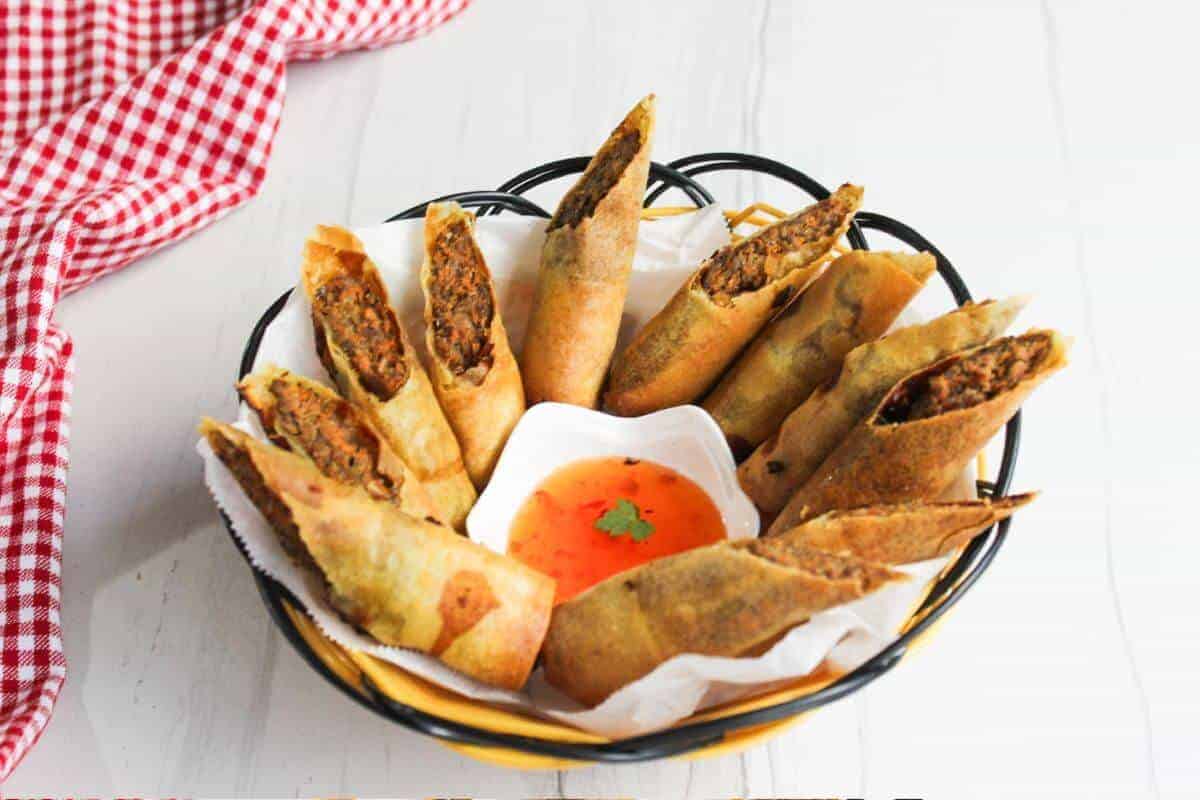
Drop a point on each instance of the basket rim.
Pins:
(956, 579)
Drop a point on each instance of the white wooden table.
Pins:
(1047, 148)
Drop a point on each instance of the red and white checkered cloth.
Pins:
(124, 125)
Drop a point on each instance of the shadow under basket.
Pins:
(514, 739)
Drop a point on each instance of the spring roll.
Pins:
(584, 273)
(927, 427)
(903, 533)
(364, 348)
(780, 465)
(473, 371)
(406, 581)
(313, 421)
(854, 301)
(727, 599)
(686, 346)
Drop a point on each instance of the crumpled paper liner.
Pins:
(668, 251)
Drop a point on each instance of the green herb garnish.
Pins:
(625, 518)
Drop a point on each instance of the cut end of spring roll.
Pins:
(458, 290)
(351, 312)
(766, 255)
(723, 600)
(407, 582)
(607, 166)
(781, 464)
(584, 272)
(365, 350)
(682, 351)
(854, 301)
(927, 427)
(473, 371)
(312, 420)
(972, 378)
(904, 533)
(233, 448)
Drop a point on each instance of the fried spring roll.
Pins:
(726, 599)
(854, 301)
(903, 533)
(312, 420)
(407, 582)
(686, 346)
(473, 371)
(780, 465)
(364, 348)
(927, 427)
(584, 273)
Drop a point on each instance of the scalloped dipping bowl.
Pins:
(551, 435)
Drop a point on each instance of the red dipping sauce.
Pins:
(593, 518)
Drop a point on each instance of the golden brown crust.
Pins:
(811, 432)
(405, 581)
(406, 415)
(312, 420)
(854, 301)
(685, 347)
(910, 460)
(584, 272)
(466, 599)
(903, 533)
(484, 401)
(723, 600)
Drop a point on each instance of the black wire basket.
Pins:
(686, 737)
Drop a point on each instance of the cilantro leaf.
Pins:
(624, 518)
(641, 530)
(618, 519)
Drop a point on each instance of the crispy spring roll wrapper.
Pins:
(474, 374)
(364, 348)
(781, 464)
(854, 301)
(726, 599)
(686, 346)
(406, 581)
(314, 421)
(904, 533)
(584, 273)
(927, 427)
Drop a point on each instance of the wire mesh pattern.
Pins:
(948, 589)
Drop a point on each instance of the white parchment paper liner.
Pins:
(668, 250)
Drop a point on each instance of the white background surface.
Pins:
(1045, 147)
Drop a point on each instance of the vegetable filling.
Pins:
(968, 381)
(755, 261)
(332, 436)
(603, 174)
(361, 324)
(829, 566)
(238, 462)
(460, 300)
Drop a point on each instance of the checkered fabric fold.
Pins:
(124, 125)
